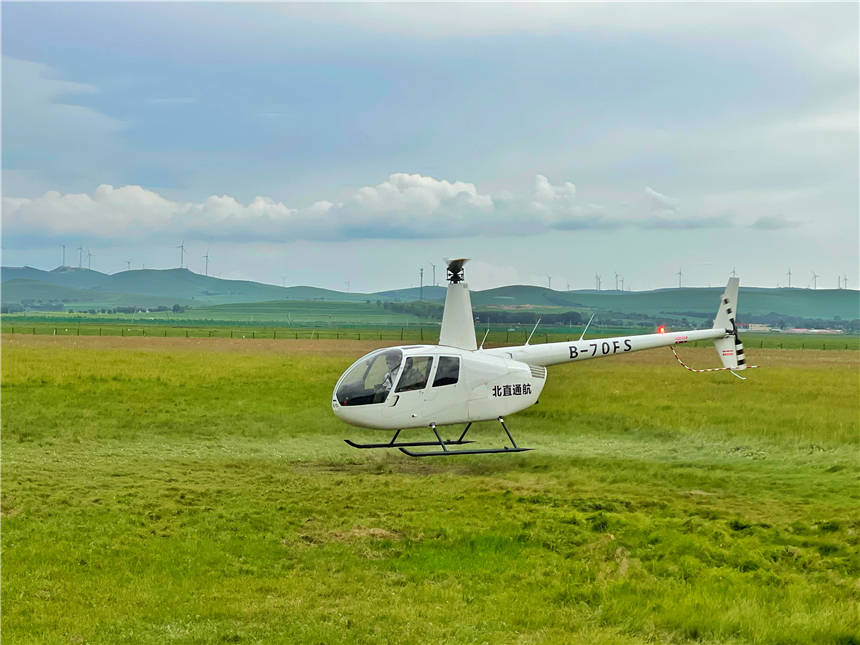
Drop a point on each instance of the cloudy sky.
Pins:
(320, 144)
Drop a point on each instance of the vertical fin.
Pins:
(730, 349)
(458, 322)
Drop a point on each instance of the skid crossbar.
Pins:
(444, 452)
(443, 444)
(407, 444)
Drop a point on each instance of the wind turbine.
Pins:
(128, 263)
(421, 283)
(64, 255)
(206, 265)
(89, 259)
(181, 248)
(616, 280)
(549, 282)
(597, 281)
(815, 277)
(434, 273)
(680, 275)
(789, 277)
(80, 257)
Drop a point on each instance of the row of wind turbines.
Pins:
(841, 281)
(90, 256)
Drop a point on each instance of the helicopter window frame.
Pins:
(411, 377)
(446, 378)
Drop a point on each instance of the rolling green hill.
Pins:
(754, 301)
(305, 313)
(35, 293)
(178, 285)
(153, 287)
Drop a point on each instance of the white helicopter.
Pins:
(456, 381)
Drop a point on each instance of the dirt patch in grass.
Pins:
(360, 532)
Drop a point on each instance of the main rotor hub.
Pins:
(455, 270)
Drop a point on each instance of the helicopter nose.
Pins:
(340, 411)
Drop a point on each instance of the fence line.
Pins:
(404, 335)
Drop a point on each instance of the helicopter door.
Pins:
(410, 387)
(445, 399)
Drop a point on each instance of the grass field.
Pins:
(172, 490)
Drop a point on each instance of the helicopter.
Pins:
(457, 381)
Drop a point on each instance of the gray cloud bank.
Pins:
(404, 206)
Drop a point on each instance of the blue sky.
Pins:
(316, 144)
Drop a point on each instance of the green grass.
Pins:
(198, 492)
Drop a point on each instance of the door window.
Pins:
(448, 372)
(415, 373)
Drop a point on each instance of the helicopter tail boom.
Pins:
(724, 333)
(566, 352)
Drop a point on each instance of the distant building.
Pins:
(755, 327)
(803, 330)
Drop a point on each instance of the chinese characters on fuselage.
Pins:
(512, 390)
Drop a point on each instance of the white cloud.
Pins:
(418, 195)
(407, 206)
(840, 123)
(659, 201)
(774, 222)
(549, 197)
(822, 30)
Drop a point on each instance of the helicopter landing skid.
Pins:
(478, 451)
(410, 444)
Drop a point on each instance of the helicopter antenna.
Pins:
(533, 331)
(586, 326)
(487, 333)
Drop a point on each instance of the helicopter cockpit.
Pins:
(371, 378)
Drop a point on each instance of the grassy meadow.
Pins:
(173, 490)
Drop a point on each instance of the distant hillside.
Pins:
(152, 287)
(754, 301)
(173, 285)
(315, 312)
(21, 289)
(408, 295)
(38, 294)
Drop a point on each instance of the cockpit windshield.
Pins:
(370, 379)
